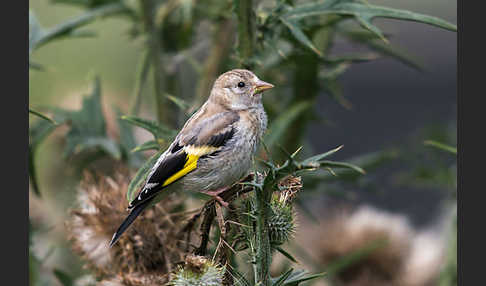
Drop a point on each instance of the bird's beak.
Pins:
(262, 86)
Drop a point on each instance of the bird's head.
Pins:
(239, 89)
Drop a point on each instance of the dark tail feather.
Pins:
(128, 221)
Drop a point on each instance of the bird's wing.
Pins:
(205, 137)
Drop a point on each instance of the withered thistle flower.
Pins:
(384, 240)
(198, 271)
(289, 186)
(145, 255)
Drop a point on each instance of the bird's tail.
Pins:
(136, 211)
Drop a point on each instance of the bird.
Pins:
(213, 150)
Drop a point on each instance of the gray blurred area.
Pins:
(392, 102)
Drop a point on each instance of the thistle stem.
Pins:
(263, 248)
(142, 71)
(162, 104)
(212, 68)
(246, 31)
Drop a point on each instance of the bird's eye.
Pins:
(241, 84)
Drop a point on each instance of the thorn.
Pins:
(330, 170)
(296, 151)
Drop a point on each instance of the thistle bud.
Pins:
(198, 271)
(281, 223)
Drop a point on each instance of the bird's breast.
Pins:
(232, 161)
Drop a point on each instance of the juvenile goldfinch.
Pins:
(215, 147)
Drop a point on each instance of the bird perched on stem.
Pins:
(215, 147)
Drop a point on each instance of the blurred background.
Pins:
(390, 109)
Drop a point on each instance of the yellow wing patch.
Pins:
(190, 165)
(193, 154)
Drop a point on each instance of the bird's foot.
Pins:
(215, 195)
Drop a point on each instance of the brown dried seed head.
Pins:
(148, 246)
(384, 238)
(289, 186)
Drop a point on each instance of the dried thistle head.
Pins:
(148, 248)
(289, 186)
(198, 270)
(384, 240)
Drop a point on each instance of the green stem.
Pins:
(142, 72)
(246, 31)
(162, 105)
(263, 247)
(217, 55)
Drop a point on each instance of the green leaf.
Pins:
(348, 59)
(283, 121)
(38, 132)
(317, 158)
(36, 32)
(181, 103)
(335, 91)
(364, 14)
(368, 162)
(149, 145)
(342, 165)
(45, 117)
(106, 144)
(283, 277)
(370, 39)
(128, 142)
(286, 254)
(141, 175)
(299, 276)
(300, 35)
(441, 146)
(39, 36)
(157, 130)
(63, 278)
(88, 128)
(240, 278)
(273, 53)
(331, 85)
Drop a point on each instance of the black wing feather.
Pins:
(128, 221)
(170, 165)
(221, 139)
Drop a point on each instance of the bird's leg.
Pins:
(215, 195)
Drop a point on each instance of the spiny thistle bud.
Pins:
(198, 271)
(281, 223)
